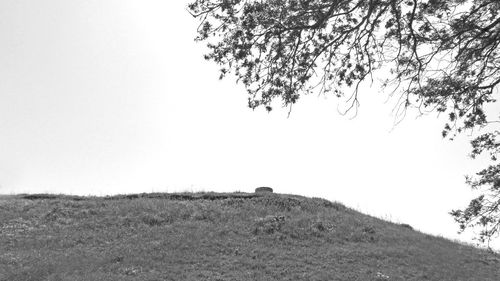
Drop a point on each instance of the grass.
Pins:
(214, 236)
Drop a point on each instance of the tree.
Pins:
(440, 55)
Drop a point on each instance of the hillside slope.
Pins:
(211, 236)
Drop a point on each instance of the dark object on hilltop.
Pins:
(45, 196)
(184, 196)
(263, 189)
(39, 196)
(406, 225)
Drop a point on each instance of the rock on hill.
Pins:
(213, 236)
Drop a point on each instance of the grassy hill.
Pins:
(213, 236)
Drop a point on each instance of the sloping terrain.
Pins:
(212, 236)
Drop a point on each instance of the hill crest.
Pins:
(219, 236)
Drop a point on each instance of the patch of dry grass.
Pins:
(210, 236)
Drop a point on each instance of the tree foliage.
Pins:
(437, 55)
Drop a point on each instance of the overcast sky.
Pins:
(106, 97)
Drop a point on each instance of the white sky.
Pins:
(106, 97)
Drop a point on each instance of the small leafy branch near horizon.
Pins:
(442, 56)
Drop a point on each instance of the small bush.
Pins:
(269, 224)
(369, 230)
(152, 220)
